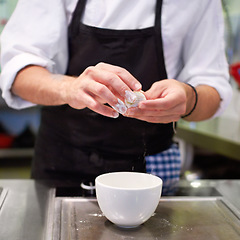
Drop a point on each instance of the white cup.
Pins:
(128, 199)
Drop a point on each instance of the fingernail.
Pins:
(138, 86)
(120, 107)
(115, 114)
(130, 96)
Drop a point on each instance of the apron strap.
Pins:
(158, 14)
(159, 43)
(77, 14)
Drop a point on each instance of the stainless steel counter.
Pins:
(219, 135)
(198, 210)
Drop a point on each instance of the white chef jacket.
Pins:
(192, 32)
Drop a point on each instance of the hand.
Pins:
(98, 85)
(166, 102)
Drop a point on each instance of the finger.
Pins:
(167, 119)
(170, 103)
(140, 112)
(90, 102)
(100, 108)
(160, 103)
(123, 74)
(104, 110)
(112, 81)
(102, 92)
(159, 119)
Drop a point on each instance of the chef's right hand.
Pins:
(100, 84)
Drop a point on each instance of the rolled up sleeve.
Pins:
(36, 34)
(204, 59)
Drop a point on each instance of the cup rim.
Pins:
(98, 181)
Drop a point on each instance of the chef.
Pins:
(81, 61)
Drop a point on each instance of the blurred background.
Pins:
(210, 149)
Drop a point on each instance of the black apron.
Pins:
(81, 144)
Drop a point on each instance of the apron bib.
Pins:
(83, 144)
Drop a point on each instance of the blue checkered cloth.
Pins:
(166, 165)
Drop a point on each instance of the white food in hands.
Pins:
(132, 99)
(139, 97)
(120, 107)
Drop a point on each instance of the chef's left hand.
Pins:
(166, 102)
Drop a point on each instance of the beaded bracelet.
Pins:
(196, 100)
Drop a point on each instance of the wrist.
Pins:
(192, 99)
(62, 85)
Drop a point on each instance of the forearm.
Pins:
(96, 86)
(207, 104)
(37, 85)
